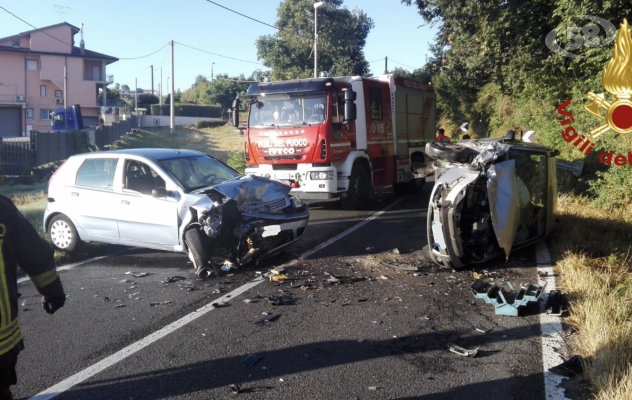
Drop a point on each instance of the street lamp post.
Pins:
(316, 5)
(212, 84)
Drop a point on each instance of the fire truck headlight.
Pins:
(315, 176)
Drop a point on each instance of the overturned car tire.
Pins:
(198, 252)
(449, 152)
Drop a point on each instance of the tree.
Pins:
(124, 88)
(341, 38)
(112, 94)
(117, 86)
(148, 98)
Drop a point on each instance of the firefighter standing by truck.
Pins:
(20, 245)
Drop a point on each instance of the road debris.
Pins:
(280, 270)
(307, 357)
(342, 280)
(484, 330)
(377, 322)
(234, 388)
(120, 306)
(506, 302)
(570, 367)
(219, 304)
(402, 266)
(278, 278)
(361, 340)
(159, 303)
(137, 275)
(250, 360)
(395, 251)
(268, 318)
(372, 388)
(554, 303)
(370, 249)
(171, 279)
(462, 351)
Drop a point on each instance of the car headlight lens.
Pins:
(326, 175)
(297, 203)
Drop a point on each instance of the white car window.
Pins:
(141, 178)
(97, 173)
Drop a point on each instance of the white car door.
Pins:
(142, 218)
(92, 198)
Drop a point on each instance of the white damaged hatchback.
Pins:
(175, 200)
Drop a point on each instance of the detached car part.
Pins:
(506, 302)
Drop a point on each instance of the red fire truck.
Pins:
(339, 137)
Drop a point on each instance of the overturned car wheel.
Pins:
(198, 252)
(449, 152)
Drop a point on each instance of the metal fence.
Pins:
(19, 155)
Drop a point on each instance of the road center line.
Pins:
(551, 329)
(120, 355)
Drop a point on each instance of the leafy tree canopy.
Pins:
(342, 35)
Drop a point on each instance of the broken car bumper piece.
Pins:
(506, 302)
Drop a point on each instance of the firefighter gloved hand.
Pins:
(53, 304)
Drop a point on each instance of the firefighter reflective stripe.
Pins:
(44, 279)
(7, 330)
(5, 306)
(10, 342)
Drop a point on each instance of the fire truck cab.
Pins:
(339, 137)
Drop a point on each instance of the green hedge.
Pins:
(209, 124)
(182, 110)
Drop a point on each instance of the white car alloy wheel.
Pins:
(61, 234)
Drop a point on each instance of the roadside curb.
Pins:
(551, 328)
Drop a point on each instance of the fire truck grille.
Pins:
(282, 158)
(284, 167)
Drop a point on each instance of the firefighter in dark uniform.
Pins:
(20, 245)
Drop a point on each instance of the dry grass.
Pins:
(594, 258)
(218, 142)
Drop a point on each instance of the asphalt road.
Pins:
(381, 337)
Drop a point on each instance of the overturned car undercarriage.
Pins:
(490, 196)
(242, 221)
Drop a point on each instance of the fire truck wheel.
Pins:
(449, 152)
(360, 189)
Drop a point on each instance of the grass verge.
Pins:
(594, 257)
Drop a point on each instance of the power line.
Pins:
(379, 59)
(256, 20)
(150, 54)
(219, 55)
(397, 62)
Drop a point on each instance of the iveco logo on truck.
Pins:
(339, 137)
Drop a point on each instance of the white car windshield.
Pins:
(197, 172)
(285, 110)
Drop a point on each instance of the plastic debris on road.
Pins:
(250, 360)
(402, 266)
(268, 318)
(120, 306)
(506, 302)
(570, 367)
(171, 279)
(370, 249)
(219, 304)
(462, 351)
(554, 303)
(234, 389)
(159, 303)
(137, 275)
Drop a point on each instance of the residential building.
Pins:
(32, 78)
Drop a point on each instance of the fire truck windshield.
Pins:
(293, 109)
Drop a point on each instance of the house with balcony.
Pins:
(32, 78)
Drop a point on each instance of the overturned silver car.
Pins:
(490, 196)
(175, 200)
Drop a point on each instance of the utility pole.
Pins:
(172, 108)
(152, 80)
(386, 65)
(65, 98)
(316, 5)
(161, 91)
(136, 95)
(212, 84)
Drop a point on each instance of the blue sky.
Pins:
(128, 29)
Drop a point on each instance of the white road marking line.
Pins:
(353, 228)
(120, 355)
(551, 329)
(78, 263)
